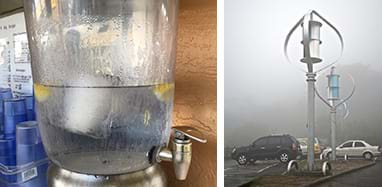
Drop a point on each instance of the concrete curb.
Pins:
(324, 179)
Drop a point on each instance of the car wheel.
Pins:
(284, 157)
(368, 156)
(242, 159)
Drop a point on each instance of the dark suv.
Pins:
(283, 147)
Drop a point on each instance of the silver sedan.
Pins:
(354, 148)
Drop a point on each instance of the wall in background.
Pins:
(195, 88)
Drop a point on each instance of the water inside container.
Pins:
(104, 130)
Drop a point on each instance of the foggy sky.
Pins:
(264, 94)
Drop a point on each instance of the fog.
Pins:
(264, 94)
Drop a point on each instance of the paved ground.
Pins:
(235, 175)
(368, 177)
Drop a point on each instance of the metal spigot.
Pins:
(181, 153)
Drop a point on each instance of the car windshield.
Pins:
(294, 139)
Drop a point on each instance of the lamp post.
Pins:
(311, 45)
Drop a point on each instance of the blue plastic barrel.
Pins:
(27, 133)
(7, 156)
(5, 93)
(8, 152)
(40, 150)
(30, 105)
(29, 164)
(29, 100)
(28, 143)
(14, 113)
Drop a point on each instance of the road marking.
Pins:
(261, 170)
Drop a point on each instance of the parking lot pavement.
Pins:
(367, 177)
(235, 175)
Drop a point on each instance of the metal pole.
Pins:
(311, 94)
(333, 96)
(311, 42)
(333, 132)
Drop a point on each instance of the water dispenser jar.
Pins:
(103, 75)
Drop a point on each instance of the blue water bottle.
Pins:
(14, 113)
(8, 152)
(7, 157)
(29, 100)
(30, 150)
(5, 93)
(26, 141)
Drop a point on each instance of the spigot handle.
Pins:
(181, 152)
(186, 133)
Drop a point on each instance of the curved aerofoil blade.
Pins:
(342, 101)
(306, 37)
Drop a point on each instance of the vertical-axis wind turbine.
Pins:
(311, 45)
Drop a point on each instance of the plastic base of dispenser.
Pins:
(152, 176)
